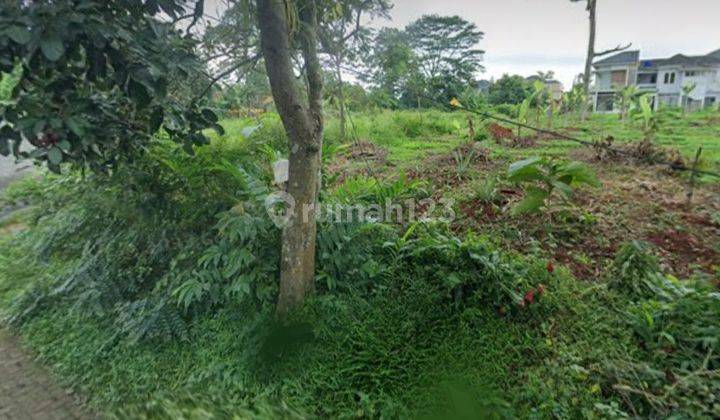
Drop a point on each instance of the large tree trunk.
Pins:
(303, 124)
(591, 8)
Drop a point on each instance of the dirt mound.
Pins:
(640, 152)
(363, 149)
(447, 169)
(505, 136)
(499, 133)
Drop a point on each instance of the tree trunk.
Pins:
(303, 123)
(591, 8)
(341, 99)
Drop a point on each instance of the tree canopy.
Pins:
(95, 79)
(448, 57)
(508, 90)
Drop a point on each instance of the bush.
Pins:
(508, 110)
(131, 239)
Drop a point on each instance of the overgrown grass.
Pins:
(409, 321)
(412, 135)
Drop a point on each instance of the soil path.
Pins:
(28, 392)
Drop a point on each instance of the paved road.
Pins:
(27, 392)
(9, 170)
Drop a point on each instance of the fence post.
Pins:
(692, 177)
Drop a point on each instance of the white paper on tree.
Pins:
(281, 169)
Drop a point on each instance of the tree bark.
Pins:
(591, 8)
(303, 123)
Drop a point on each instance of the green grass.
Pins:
(391, 339)
(410, 135)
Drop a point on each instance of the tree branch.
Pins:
(612, 50)
(226, 72)
(308, 18)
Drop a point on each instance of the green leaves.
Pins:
(55, 155)
(532, 202)
(97, 78)
(18, 34)
(525, 170)
(76, 125)
(579, 173)
(551, 176)
(52, 46)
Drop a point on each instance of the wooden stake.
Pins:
(471, 128)
(692, 178)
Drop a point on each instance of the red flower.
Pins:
(530, 296)
(550, 267)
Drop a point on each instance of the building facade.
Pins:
(663, 79)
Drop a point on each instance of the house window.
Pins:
(669, 78)
(690, 73)
(647, 78)
(618, 77)
(605, 102)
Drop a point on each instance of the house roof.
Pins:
(710, 59)
(625, 57)
(697, 60)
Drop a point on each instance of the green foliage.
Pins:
(487, 191)
(574, 101)
(393, 65)
(8, 83)
(551, 176)
(95, 80)
(363, 190)
(465, 157)
(648, 118)
(508, 110)
(635, 270)
(509, 90)
(408, 321)
(626, 98)
(432, 60)
(470, 271)
(137, 242)
(448, 58)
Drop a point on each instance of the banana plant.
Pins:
(544, 177)
(687, 89)
(538, 98)
(626, 97)
(523, 113)
(574, 100)
(648, 118)
(532, 101)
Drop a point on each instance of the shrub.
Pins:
(508, 110)
(136, 243)
(550, 176)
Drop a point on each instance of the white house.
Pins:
(662, 78)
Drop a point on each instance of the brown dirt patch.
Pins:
(360, 157)
(28, 392)
(442, 170)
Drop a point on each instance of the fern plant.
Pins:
(131, 240)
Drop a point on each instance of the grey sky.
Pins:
(524, 36)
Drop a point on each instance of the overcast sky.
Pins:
(524, 36)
